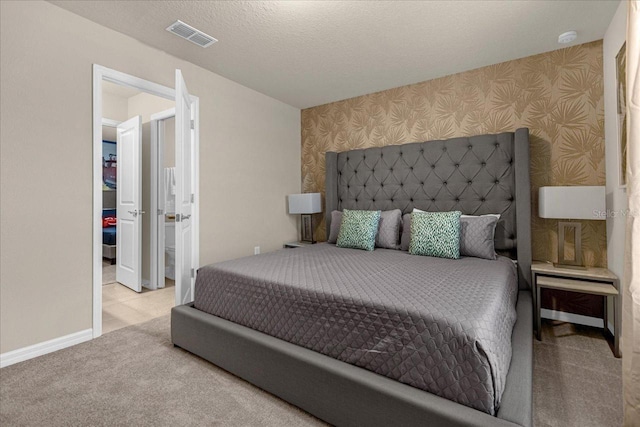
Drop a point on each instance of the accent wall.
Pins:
(558, 95)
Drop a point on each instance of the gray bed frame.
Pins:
(482, 174)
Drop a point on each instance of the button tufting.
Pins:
(392, 200)
(390, 169)
(470, 147)
(433, 166)
(411, 199)
(411, 168)
(422, 150)
(469, 182)
(421, 182)
(482, 199)
(433, 200)
(347, 159)
(457, 200)
(497, 182)
(401, 184)
(444, 183)
(444, 148)
(497, 144)
(484, 163)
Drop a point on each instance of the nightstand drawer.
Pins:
(594, 288)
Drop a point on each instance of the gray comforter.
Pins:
(440, 325)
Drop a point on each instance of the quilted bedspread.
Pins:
(440, 325)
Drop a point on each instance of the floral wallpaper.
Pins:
(558, 95)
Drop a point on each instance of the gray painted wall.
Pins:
(249, 162)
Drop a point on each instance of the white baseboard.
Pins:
(26, 353)
(574, 318)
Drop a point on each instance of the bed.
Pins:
(109, 236)
(321, 349)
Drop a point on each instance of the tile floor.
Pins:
(108, 272)
(123, 307)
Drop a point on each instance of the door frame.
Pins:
(157, 157)
(100, 74)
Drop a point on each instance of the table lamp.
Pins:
(571, 203)
(305, 204)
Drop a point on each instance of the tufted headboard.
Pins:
(476, 175)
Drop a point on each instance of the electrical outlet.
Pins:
(256, 250)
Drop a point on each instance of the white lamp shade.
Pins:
(307, 203)
(572, 202)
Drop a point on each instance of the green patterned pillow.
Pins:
(358, 229)
(435, 234)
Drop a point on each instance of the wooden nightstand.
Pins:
(293, 245)
(595, 281)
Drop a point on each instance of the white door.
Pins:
(129, 202)
(184, 192)
(159, 195)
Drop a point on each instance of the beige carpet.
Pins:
(134, 376)
(577, 381)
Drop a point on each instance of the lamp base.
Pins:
(306, 226)
(563, 229)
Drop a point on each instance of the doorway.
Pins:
(163, 198)
(129, 201)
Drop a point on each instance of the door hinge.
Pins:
(193, 198)
(193, 124)
(193, 273)
(177, 217)
(160, 212)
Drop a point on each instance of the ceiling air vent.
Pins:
(185, 31)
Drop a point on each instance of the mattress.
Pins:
(109, 235)
(443, 326)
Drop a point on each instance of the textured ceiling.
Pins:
(308, 53)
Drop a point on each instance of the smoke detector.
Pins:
(567, 37)
(187, 32)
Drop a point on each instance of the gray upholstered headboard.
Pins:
(476, 175)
